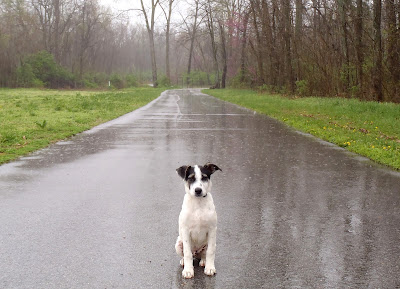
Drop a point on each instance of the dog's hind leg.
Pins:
(203, 258)
(179, 249)
(179, 246)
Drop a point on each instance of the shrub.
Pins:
(197, 78)
(302, 87)
(264, 89)
(40, 69)
(95, 80)
(240, 81)
(164, 81)
(89, 84)
(131, 80)
(37, 83)
(117, 81)
(355, 91)
(25, 75)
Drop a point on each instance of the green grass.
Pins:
(370, 129)
(31, 119)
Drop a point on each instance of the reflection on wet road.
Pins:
(101, 209)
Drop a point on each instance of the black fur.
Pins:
(208, 169)
(185, 171)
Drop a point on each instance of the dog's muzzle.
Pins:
(198, 192)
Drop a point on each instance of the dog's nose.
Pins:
(198, 191)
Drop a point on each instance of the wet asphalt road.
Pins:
(101, 209)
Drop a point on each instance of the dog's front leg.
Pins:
(210, 255)
(188, 271)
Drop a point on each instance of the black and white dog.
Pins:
(197, 220)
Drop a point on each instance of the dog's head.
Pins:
(197, 178)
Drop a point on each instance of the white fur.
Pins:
(197, 228)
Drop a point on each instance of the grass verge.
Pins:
(31, 119)
(370, 129)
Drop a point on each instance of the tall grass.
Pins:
(370, 129)
(31, 118)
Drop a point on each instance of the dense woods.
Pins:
(346, 48)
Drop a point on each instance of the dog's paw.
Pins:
(188, 273)
(210, 271)
(202, 263)
(182, 262)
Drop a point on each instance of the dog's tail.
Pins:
(179, 246)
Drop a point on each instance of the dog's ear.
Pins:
(211, 168)
(182, 171)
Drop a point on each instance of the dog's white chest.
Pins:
(198, 216)
(201, 219)
(198, 212)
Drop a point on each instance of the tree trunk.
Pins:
(377, 70)
(57, 30)
(167, 44)
(83, 47)
(288, 53)
(255, 7)
(359, 45)
(243, 48)
(192, 39)
(150, 32)
(298, 36)
(210, 24)
(346, 67)
(224, 56)
(269, 30)
(392, 46)
(153, 59)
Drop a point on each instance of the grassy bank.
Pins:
(370, 129)
(31, 119)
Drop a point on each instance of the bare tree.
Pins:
(168, 15)
(287, 40)
(57, 16)
(298, 35)
(44, 10)
(359, 45)
(258, 47)
(223, 54)
(345, 43)
(243, 48)
(377, 75)
(393, 35)
(150, 21)
(192, 30)
(210, 25)
(90, 18)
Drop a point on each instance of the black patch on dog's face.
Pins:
(185, 171)
(191, 178)
(204, 177)
(208, 169)
(188, 174)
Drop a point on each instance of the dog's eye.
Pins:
(204, 179)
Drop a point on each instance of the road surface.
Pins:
(100, 210)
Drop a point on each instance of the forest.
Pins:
(346, 48)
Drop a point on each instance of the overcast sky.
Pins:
(119, 5)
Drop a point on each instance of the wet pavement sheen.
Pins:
(100, 210)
